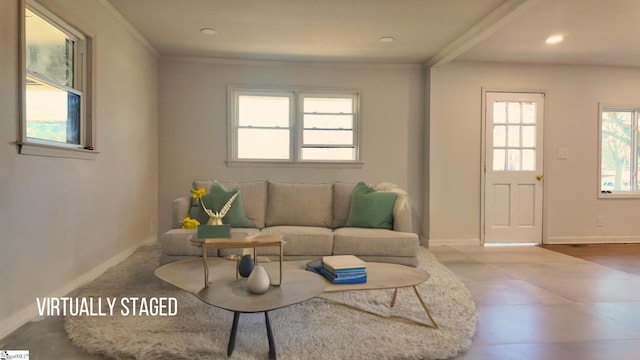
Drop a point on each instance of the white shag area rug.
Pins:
(314, 329)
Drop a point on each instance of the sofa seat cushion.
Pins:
(301, 240)
(300, 205)
(374, 242)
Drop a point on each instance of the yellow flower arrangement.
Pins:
(215, 218)
(198, 193)
(189, 223)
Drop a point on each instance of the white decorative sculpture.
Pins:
(258, 281)
(215, 218)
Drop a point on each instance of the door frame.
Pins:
(483, 156)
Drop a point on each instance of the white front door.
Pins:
(513, 167)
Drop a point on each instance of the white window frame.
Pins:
(83, 86)
(635, 139)
(296, 123)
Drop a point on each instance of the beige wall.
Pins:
(571, 204)
(193, 126)
(60, 219)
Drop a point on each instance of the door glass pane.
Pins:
(514, 143)
(499, 112)
(499, 135)
(528, 113)
(514, 113)
(514, 160)
(529, 136)
(499, 159)
(528, 160)
(514, 136)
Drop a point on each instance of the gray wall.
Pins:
(61, 219)
(193, 125)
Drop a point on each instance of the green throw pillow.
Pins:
(215, 200)
(371, 208)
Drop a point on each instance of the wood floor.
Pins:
(624, 257)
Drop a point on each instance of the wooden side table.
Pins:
(253, 241)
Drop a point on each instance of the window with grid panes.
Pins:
(293, 126)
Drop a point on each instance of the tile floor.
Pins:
(539, 304)
(533, 303)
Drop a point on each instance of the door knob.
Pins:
(539, 177)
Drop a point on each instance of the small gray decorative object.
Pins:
(246, 265)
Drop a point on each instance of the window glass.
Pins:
(328, 153)
(263, 144)
(49, 51)
(53, 97)
(270, 111)
(618, 154)
(328, 105)
(324, 128)
(328, 128)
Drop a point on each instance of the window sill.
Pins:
(290, 164)
(619, 195)
(29, 148)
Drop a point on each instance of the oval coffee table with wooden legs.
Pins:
(389, 276)
(298, 285)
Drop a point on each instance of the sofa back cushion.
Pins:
(300, 204)
(341, 202)
(254, 197)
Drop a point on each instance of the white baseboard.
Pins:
(591, 239)
(30, 312)
(453, 242)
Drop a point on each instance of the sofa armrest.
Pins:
(402, 211)
(179, 210)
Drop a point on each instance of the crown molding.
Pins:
(290, 63)
(136, 34)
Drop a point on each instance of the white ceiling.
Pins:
(597, 32)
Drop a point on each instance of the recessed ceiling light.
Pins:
(387, 39)
(208, 31)
(554, 39)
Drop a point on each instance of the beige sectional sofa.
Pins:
(312, 218)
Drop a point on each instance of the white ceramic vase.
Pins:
(258, 281)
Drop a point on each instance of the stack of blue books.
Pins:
(343, 269)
